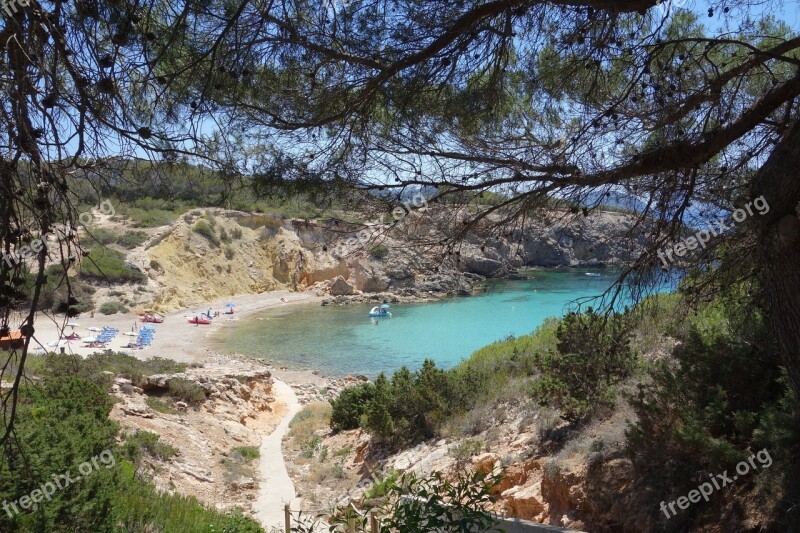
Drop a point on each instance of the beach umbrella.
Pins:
(89, 339)
(73, 325)
(130, 333)
(56, 343)
(94, 329)
(385, 306)
(230, 305)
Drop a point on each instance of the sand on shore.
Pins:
(174, 339)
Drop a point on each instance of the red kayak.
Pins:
(199, 321)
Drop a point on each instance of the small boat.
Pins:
(593, 274)
(382, 310)
(196, 320)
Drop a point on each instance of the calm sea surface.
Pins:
(341, 340)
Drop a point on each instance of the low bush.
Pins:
(151, 218)
(188, 391)
(112, 308)
(350, 406)
(62, 422)
(103, 236)
(248, 453)
(592, 356)
(379, 251)
(160, 406)
(94, 367)
(466, 450)
(132, 239)
(146, 443)
(63, 295)
(201, 227)
(103, 264)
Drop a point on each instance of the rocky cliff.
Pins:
(214, 253)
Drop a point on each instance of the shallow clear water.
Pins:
(343, 340)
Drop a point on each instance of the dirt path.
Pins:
(276, 487)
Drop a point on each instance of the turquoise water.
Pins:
(341, 340)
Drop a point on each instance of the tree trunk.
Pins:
(778, 242)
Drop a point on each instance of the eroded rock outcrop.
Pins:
(255, 253)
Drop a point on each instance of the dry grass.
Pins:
(311, 418)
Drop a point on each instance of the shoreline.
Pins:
(175, 338)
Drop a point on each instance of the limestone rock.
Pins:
(524, 502)
(484, 463)
(340, 287)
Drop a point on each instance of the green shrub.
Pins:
(310, 446)
(592, 356)
(188, 391)
(229, 253)
(151, 218)
(112, 308)
(103, 264)
(248, 453)
(380, 488)
(202, 227)
(223, 236)
(466, 450)
(350, 405)
(94, 366)
(160, 406)
(102, 236)
(132, 239)
(146, 443)
(236, 233)
(701, 407)
(61, 423)
(440, 504)
(379, 251)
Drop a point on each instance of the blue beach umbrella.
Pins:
(385, 306)
(230, 305)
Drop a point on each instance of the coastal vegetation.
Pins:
(675, 366)
(63, 422)
(504, 114)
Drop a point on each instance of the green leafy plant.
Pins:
(132, 239)
(593, 354)
(159, 406)
(350, 406)
(103, 264)
(379, 251)
(112, 308)
(201, 227)
(147, 443)
(188, 391)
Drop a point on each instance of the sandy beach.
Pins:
(175, 338)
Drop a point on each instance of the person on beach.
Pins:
(197, 321)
